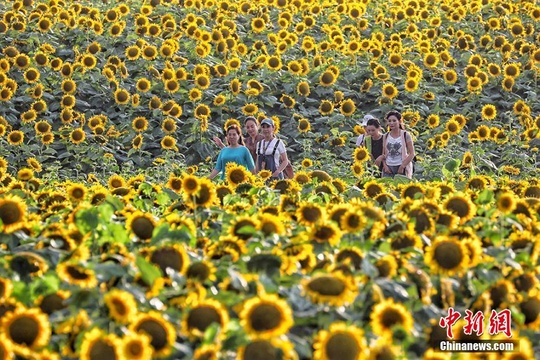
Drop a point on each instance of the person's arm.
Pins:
(218, 142)
(213, 174)
(410, 150)
(249, 161)
(386, 169)
(283, 162)
(218, 168)
(283, 159)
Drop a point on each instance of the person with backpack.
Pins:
(372, 140)
(398, 147)
(235, 152)
(271, 152)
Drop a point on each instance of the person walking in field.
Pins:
(398, 147)
(235, 152)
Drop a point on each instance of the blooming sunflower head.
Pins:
(266, 316)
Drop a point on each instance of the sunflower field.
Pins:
(115, 245)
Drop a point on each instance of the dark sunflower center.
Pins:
(324, 233)
(134, 349)
(52, 303)
(202, 317)
(265, 317)
(10, 213)
(354, 221)
(237, 176)
(142, 227)
(24, 330)
(342, 346)
(167, 257)
(327, 285)
(156, 332)
(76, 273)
(119, 306)
(459, 207)
(448, 255)
(261, 350)
(102, 350)
(391, 317)
(531, 309)
(198, 271)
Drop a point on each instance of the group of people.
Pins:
(258, 151)
(392, 152)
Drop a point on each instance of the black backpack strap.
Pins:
(275, 147)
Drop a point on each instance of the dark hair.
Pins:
(238, 131)
(373, 122)
(393, 113)
(251, 118)
(397, 114)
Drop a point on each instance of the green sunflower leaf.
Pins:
(149, 271)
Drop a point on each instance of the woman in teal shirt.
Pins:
(235, 152)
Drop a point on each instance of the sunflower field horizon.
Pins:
(114, 244)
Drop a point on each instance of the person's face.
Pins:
(251, 128)
(232, 137)
(392, 121)
(371, 130)
(267, 130)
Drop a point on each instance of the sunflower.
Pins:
(389, 91)
(347, 107)
(461, 205)
(202, 314)
(387, 266)
(361, 155)
(270, 224)
(136, 346)
(334, 289)
(275, 348)
(266, 316)
(75, 274)
(506, 202)
(168, 143)
(202, 111)
(190, 185)
(201, 271)
(237, 174)
(258, 25)
(26, 328)
(242, 227)
(15, 137)
(141, 224)
(530, 308)
(508, 83)
(447, 256)
(172, 256)
(326, 107)
(341, 341)
(121, 96)
(489, 112)
(304, 125)
(386, 315)
(98, 345)
(160, 331)
(121, 304)
(76, 191)
(327, 78)
(12, 213)
(139, 124)
(303, 88)
(352, 221)
(310, 213)
(77, 136)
